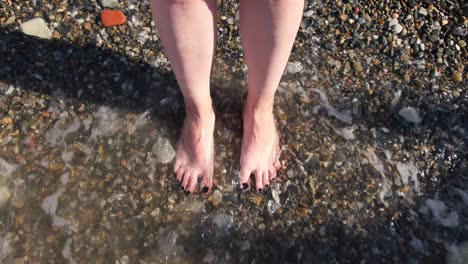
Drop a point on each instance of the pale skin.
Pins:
(187, 29)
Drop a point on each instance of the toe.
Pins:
(258, 180)
(272, 173)
(185, 180)
(244, 179)
(277, 165)
(207, 182)
(266, 179)
(180, 174)
(177, 166)
(192, 183)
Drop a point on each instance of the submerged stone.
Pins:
(410, 114)
(163, 150)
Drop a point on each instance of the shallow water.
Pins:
(373, 170)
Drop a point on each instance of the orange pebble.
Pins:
(111, 18)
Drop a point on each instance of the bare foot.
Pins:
(260, 149)
(195, 153)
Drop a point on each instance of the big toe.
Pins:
(207, 183)
(245, 178)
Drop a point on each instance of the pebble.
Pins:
(216, 198)
(457, 76)
(343, 17)
(4, 196)
(422, 11)
(36, 27)
(163, 150)
(410, 114)
(10, 20)
(357, 66)
(109, 3)
(458, 31)
(397, 28)
(111, 18)
(294, 67)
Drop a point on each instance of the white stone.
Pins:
(393, 22)
(163, 150)
(410, 114)
(36, 27)
(397, 28)
(109, 3)
(294, 67)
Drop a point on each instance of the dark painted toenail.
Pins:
(260, 189)
(182, 187)
(266, 186)
(205, 189)
(273, 179)
(245, 186)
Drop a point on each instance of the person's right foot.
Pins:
(195, 153)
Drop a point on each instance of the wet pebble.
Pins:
(163, 150)
(410, 114)
(294, 67)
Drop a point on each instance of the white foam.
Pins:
(378, 166)
(441, 213)
(57, 134)
(6, 169)
(344, 116)
(108, 122)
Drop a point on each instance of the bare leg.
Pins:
(187, 31)
(268, 29)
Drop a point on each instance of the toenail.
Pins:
(260, 189)
(205, 189)
(245, 186)
(266, 186)
(273, 179)
(182, 187)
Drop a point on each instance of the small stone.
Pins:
(343, 17)
(457, 76)
(88, 25)
(6, 121)
(356, 10)
(308, 13)
(294, 67)
(393, 22)
(10, 20)
(109, 3)
(163, 150)
(256, 199)
(36, 27)
(111, 18)
(462, 32)
(397, 28)
(361, 20)
(4, 196)
(216, 198)
(410, 114)
(462, 43)
(422, 11)
(357, 66)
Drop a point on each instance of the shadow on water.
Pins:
(88, 74)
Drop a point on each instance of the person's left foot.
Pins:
(260, 149)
